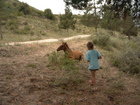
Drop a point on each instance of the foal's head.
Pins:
(62, 47)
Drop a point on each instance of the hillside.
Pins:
(21, 22)
(35, 74)
(26, 23)
(28, 76)
(30, 28)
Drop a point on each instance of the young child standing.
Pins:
(92, 57)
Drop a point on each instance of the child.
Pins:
(92, 57)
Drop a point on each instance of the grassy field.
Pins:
(37, 74)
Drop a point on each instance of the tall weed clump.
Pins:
(68, 69)
(128, 59)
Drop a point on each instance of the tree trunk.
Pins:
(128, 32)
(129, 36)
(95, 15)
(1, 36)
(96, 30)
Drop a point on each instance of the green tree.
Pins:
(67, 20)
(1, 16)
(48, 14)
(113, 22)
(90, 20)
(121, 8)
(6, 12)
(91, 17)
(24, 8)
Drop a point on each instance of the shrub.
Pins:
(24, 8)
(129, 59)
(105, 42)
(48, 14)
(12, 24)
(25, 30)
(32, 65)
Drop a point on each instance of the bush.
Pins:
(105, 42)
(48, 14)
(12, 24)
(129, 58)
(25, 30)
(131, 61)
(24, 8)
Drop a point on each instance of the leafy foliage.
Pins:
(48, 14)
(63, 62)
(6, 11)
(67, 20)
(68, 70)
(105, 42)
(121, 8)
(24, 7)
(78, 4)
(116, 24)
(90, 20)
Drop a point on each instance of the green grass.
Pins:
(32, 65)
(30, 28)
(126, 56)
(120, 52)
(68, 70)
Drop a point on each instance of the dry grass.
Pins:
(30, 28)
(27, 78)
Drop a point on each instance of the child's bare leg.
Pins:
(93, 78)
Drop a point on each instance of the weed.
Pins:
(1, 44)
(42, 33)
(54, 58)
(118, 85)
(68, 70)
(32, 65)
(112, 92)
(35, 38)
(25, 23)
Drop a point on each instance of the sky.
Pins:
(56, 6)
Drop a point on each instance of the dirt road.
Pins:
(48, 40)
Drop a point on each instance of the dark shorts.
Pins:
(93, 69)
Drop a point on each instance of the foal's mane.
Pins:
(67, 47)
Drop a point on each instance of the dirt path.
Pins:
(26, 78)
(49, 40)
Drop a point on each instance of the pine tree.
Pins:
(121, 8)
(67, 20)
(48, 14)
